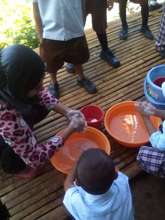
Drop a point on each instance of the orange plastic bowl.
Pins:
(125, 124)
(64, 159)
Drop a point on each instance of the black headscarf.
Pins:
(21, 70)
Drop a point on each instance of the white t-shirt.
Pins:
(61, 19)
(115, 204)
(157, 139)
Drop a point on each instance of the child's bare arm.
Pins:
(69, 181)
(160, 114)
(37, 19)
(147, 109)
(151, 129)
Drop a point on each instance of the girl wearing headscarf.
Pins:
(23, 103)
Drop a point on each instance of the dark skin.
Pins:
(151, 129)
(67, 112)
(69, 181)
(144, 11)
(39, 30)
(146, 110)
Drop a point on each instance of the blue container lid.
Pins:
(158, 71)
(159, 105)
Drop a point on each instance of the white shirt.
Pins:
(61, 19)
(157, 139)
(115, 204)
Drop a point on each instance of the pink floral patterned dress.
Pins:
(19, 136)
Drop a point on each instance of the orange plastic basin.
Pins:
(125, 124)
(64, 159)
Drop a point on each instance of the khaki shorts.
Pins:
(98, 10)
(55, 53)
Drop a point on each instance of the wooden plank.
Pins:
(43, 210)
(19, 195)
(10, 184)
(57, 214)
(132, 170)
(37, 208)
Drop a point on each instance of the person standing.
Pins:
(153, 5)
(23, 103)
(98, 11)
(160, 42)
(60, 27)
(123, 35)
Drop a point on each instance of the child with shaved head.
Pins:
(95, 190)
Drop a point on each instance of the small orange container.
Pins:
(64, 159)
(126, 125)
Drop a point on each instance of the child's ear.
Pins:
(116, 168)
(116, 173)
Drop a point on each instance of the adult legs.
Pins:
(123, 35)
(160, 41)
(51, 52)
(106, 53)
(153, 5)
(99, 24)
(77, 53)
(145, 14)
(54, 86)
(83, 81)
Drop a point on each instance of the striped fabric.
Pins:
(152, 160)
(160, 42)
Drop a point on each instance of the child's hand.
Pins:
(74, 113)
(146, 108)
(77, 123)
(110, 4)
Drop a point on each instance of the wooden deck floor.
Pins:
(41, 198)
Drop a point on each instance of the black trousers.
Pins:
(10, 162)
(144, 12)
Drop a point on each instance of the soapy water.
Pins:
(75, 148)
(70, 153)
(93, 120)
(159, 81)
(129, 127)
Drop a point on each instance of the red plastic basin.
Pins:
(94, 115)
